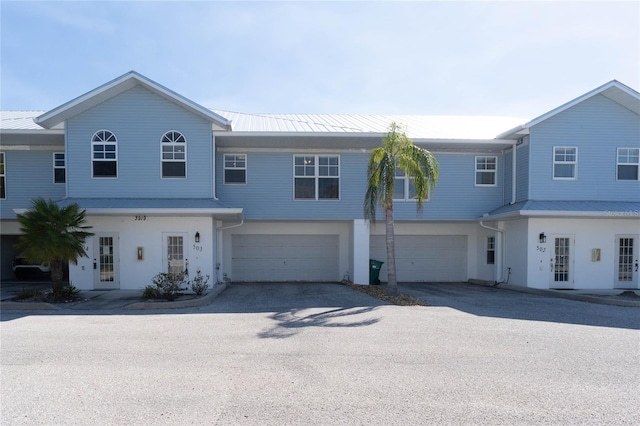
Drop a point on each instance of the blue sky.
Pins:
(463, 58)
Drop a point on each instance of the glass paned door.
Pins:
(562, 263)
(175, 254)
(626, 261)
(105, 262)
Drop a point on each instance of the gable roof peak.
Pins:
(117, 86)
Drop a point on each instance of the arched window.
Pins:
(174, 155)
(104, 155)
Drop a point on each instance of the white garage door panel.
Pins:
(284, 257)
(424, 257)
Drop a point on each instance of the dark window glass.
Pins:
(59, 175)
(328, 188)
(105, 169)
(305, 188)
(627, 172)
(173, 169)
(234, 176)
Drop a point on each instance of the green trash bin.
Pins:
(374, 271)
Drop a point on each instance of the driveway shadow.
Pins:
(289, 323)
(502, 303)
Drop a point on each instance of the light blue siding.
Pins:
(597, 127)
(29, 174)
(139, 118)
(268, 193)
(522, 171)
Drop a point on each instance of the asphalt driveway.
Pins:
(326, 354)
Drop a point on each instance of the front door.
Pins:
(106, 262)
(626, 272)
(175, 253)
(561, 261)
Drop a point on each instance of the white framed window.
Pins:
(174, 155)
(565, 162)
(403, 187)
(3, 178)
(316, 177)
(628, 163)
(235, 168)
(59, 168)
(104, 157)
(486, 169)
(491, 250)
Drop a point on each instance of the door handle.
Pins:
(95, 264)
(636, 266)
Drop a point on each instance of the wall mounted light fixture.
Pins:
(197, 237)
(543, 238)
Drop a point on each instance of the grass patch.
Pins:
(381, 293)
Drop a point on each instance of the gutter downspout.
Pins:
(499, 248)
(513, 174)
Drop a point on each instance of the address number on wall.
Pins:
(140, 218)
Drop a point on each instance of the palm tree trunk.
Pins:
(391, 252)
(57, 275)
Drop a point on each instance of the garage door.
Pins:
(284, 257)
(424, 257)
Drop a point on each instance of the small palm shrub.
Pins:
(199, 284)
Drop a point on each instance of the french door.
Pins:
(175, 250)
(561, 261)
(626, 259)
(106, 261)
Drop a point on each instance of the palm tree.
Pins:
(417, 164)
(53, 235)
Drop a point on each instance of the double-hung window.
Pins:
(59, 169)
(3, 176)
(565, 162)
(403, 188)
(104, 148)
(235, 168)
(628, 163)
(174, 155)
(486, 167)
(316, 177)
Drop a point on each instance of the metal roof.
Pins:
(417, 126)
(612, 209)
(155, 206)
(19, 120)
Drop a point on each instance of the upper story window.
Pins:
(3, 176)
(486, 168)
(316, 177)
(403, 188)
(59, 169)
(235, 168)
(565, 162)
(174, 155)
(628, 163)
(104, 147)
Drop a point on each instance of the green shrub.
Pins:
(199, 284)
(150, 292)
(169, 284)
(68, 293)
(28, 294)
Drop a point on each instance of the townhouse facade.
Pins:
(169, 185)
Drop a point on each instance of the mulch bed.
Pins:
(380, 292)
